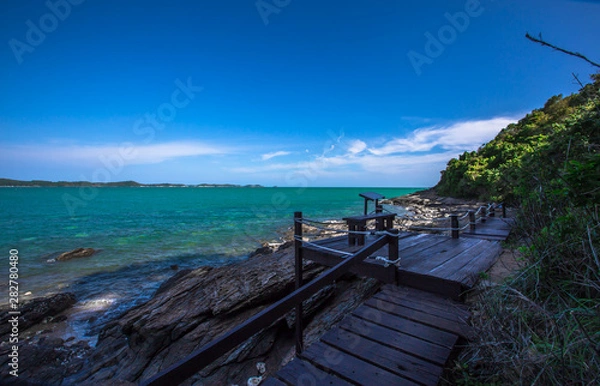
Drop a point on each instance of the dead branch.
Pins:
(576, 54)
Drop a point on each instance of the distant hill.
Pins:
(5, 182)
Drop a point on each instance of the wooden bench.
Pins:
(383, 221)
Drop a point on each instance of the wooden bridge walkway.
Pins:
(435, 263)
(403, 335)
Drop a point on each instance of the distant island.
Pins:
(5, 182)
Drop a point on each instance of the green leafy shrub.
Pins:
(543, 325)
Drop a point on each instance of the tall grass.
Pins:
(542, 325)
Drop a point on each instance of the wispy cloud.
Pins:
(274, 154)
(129, 153)
(458, 136)
(356, 146)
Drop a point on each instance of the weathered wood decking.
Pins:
(435, 263)
(494, 228)
(401, 336)
(406, 334)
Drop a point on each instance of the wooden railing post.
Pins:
(503, 210)
(472, 220)
(493, 211)
(393, 250)
(298, 274)
(454, 225)
(483, 213)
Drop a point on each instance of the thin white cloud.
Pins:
(458, 136)
(268, 156)
(128, 153)
(356, 146)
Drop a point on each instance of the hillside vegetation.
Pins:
(542, 326)
(554, 147)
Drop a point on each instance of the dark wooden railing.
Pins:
(207, 354)
(472, 215)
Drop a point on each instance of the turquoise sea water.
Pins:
(142, 232)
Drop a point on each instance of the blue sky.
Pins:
(274, 92)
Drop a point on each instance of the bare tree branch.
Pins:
(576, 54)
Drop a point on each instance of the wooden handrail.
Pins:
(471, 214)
(207, 354)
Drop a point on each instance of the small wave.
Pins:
(97, 304)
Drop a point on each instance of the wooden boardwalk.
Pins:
(407, 332)
(435, 263)
(494, 228)
(401, 336)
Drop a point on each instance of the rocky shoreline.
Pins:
(194, 307)
(426, 209)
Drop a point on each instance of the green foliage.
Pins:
(543, 326)
(557, 145)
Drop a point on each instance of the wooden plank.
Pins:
(406, 326)
(483, 237)
(438, 255)
(350, 367)
(390, 359)
(479, 263)
(460, 261)
(449, 323)
(402, 292)
(422, 281)
(273, 382)
(395, 336)
(418, 245)
(449, 310)
(301, 372)
(492, 231)
(384, 302)
(462, 266)
(493, 228)
(414, 238)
